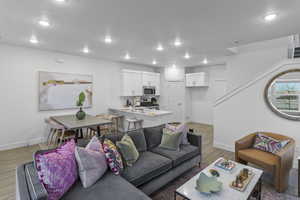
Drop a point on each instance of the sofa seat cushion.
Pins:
(185, 153)
(109, 186)
(148, 166)
(261, 158)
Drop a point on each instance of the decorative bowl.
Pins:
(208, 185)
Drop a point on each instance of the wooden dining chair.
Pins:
(57, 133)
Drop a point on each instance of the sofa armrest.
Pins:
(195, 140)
(28, 185)
(244, 143)
(286, 156)
(22, 192)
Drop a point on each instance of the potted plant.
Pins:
(80, 115)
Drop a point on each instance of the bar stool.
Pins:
(106, 129)
(135, 122)
(117, 122)
(58, 133)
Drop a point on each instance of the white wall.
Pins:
(21, 122)
(254, 59)
(246, 112)
(202, 98)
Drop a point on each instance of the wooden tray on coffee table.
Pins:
(246, 182)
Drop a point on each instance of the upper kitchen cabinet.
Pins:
(152, 79)
(132, 83)
(199, 79)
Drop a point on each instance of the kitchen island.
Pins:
(150, 117)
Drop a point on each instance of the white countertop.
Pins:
(143, 111)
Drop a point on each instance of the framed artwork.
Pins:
(61, 90)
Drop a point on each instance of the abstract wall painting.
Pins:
(61, 90)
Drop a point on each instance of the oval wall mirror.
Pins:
(282, 94)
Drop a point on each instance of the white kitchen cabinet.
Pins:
(157, 83)
(196, 79)
(152, 79)
(132, 83)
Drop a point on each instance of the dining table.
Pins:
(70, 122)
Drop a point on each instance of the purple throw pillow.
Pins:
(57, 169)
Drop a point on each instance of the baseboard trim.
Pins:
(194, 122)
(223, 146)
(21, 144)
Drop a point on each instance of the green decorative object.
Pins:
(80, 115)
(208, 185)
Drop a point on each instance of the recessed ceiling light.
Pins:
(270, 17)
(159, 47)
(173, 66)
(44, 22)
(33, 40)
(177, 42)
(127, 56)
(108, 39)
(60, 1)
(205, 61)
(154, 62)
(86, 50)
(187, 55)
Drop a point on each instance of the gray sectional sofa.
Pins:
(153, 170)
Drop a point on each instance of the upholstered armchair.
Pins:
(279, 164)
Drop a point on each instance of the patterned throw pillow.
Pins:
(113, 157)
(91, 162)
(57, 169)
(268, 144)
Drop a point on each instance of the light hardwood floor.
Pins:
(11, 158)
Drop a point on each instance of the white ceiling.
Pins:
(206, 27)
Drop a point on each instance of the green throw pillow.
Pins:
(170, 140)
(128, 150)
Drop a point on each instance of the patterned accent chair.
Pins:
(279, 164)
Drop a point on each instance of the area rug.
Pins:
(268, 191)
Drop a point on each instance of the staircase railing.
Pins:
(239, 89)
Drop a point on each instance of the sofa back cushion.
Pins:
(36, 189)
(153, 136)
(139, 139)
(113, 137)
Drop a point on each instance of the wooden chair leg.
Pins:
(62, 137)
(50, 136)
(55, 137)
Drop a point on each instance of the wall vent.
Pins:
(297, 52)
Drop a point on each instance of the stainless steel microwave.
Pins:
(148, 90)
